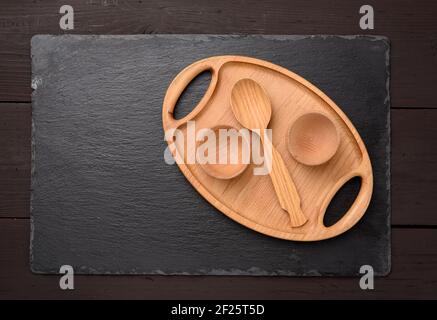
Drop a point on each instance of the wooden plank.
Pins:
(414, 275)
(15, 132)
(414, 167)
(409, 24)
(414, 164)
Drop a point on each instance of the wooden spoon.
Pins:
(251, 106)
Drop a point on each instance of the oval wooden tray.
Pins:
(250, 199)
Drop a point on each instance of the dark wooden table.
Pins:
(412, 29)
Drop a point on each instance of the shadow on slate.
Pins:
(104, 201)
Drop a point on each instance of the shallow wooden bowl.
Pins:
(313, 139)
(229, 169)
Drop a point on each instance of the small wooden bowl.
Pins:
(227, 170)
(313, 139)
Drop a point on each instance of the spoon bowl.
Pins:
(251, 105)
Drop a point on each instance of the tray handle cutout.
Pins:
(358, 207)
(178, 86)
(341, 201)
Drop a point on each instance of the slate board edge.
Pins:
(232, 272)
(205, 37)
(387, 102)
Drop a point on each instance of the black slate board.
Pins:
(103, 199)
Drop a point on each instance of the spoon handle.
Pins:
(283, 184)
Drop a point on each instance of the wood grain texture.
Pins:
(410, 25)
(414, 167)
(413, 275)
(15, 131)
(236, 101)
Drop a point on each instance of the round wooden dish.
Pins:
(313, 139)
(230, 169)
